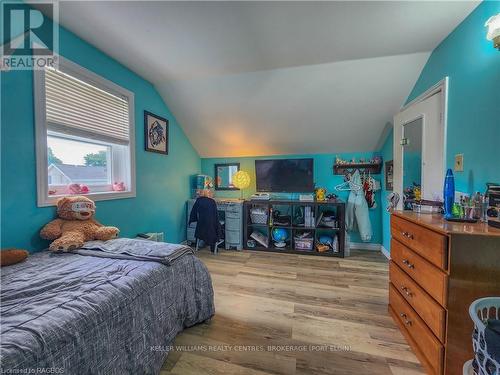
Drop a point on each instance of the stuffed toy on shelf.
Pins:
(75, 225)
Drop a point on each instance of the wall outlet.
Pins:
(459, 163)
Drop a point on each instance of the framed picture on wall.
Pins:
(155, 133)
(389, 172)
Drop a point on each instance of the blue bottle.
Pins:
(449, 193)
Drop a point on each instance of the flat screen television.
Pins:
(285, 175)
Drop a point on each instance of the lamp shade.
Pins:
(241, 179)
(493, 25)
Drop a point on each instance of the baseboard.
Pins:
(365, 246)
(385, 252)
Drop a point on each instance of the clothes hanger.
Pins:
(348, 185)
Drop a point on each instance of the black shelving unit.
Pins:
(291, 206)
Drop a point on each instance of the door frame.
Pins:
(440, 88)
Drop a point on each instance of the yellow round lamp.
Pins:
(241, 180)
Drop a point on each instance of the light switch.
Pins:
(459, 163)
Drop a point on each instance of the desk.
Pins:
(230, 215)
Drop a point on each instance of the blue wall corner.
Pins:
(387, 153)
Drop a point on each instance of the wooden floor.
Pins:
(330, 312)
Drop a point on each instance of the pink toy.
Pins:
(119, 186)
(76, 189)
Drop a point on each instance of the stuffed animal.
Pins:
(75, 225)
(76, 189)
(119, 186)
(12, 256)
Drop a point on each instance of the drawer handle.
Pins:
(407, 263)
(406, 290)
(407, 235)
(405, 317)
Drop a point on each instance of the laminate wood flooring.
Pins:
(295, 315)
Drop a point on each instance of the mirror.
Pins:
(412, 162)
(224, 175)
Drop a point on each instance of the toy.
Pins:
(76, 189)
(320, 248)
(119, 186)
(279, 234)
(12, 256)
(320, 194)
(75, 225)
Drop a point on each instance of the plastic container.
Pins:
(480, 311)
(304, 243)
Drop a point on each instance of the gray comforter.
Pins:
(73, 314)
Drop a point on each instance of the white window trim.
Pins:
(86, 75)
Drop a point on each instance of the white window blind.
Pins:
(77, 108)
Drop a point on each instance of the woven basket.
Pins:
(258, 216)
(480, 311)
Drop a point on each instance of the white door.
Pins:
(429, 114)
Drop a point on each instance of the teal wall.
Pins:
(387, 153)
(473, 68)
(323, 176)
(473, 65)
(162, 181)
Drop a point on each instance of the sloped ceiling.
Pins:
(265, 78)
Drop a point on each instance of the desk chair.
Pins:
(208, 225)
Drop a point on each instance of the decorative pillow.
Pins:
(12, 256)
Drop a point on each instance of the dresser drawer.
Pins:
(427, 243)
(233, 224)
(233, 215)
(427, 343)
(233, 237)
(427, 308)
(428, 277)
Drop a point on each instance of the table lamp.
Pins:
(241, 180)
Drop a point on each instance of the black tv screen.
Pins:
(286, 175)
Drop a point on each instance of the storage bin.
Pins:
(258, 215)
(303, 243)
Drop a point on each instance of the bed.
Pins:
(74, 314)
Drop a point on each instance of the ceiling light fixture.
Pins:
(493, 25)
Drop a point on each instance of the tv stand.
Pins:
(295, 227)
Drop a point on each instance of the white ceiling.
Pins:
(264, 78)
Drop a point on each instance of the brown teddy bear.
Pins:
(75, 225)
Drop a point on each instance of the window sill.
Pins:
(101, 196)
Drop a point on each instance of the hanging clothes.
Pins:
(357, 215)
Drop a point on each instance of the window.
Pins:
(84, 130)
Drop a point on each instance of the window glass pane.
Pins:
(77, 162)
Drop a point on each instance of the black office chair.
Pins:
(208, 227)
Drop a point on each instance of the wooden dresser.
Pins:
(437, 270)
